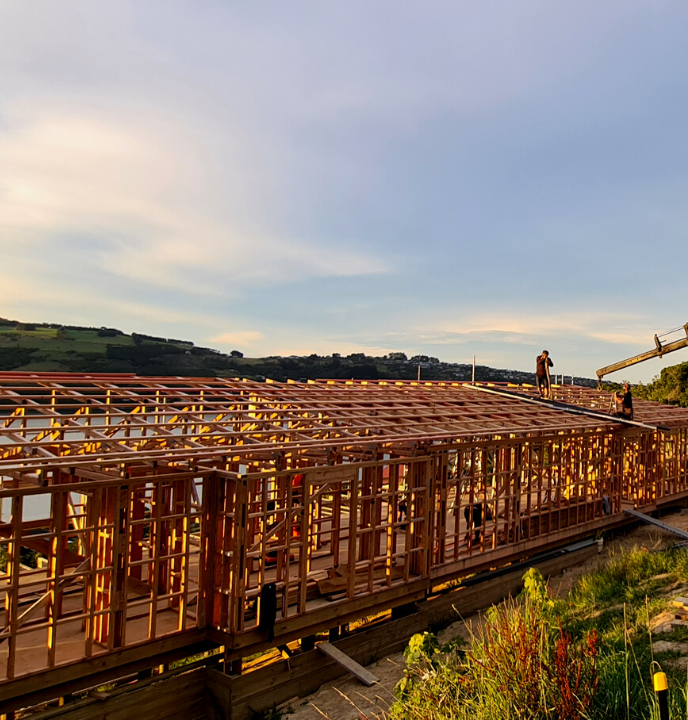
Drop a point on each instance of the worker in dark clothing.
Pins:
(268, 610)
(624, 403)
(542, 365)
(476, 519)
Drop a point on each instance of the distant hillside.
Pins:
(49, 347)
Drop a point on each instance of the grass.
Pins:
(587, 657)
(53, 348)
(80, 350)
(43, 366)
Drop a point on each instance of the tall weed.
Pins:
(521, 664)
(588, 657)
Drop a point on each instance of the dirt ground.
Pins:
(348, 699)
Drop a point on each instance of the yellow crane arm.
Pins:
(658, 351)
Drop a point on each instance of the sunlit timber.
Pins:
(155, 509)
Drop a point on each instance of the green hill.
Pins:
(49, 347)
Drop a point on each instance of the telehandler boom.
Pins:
(658, 351)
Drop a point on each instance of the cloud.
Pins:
(224, 259)
(304, 341)
(26, 299)
(615, 328)
(245, 337)
(143, 188)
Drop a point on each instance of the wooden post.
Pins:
(208, 556)
(12, 588)
(118, 600)
(104, 563)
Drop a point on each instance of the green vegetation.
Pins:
(49, 347)
(56, 348)
(28, 558)
(670, 386)
(587, 657)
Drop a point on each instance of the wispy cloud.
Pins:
(135, 183)
(241, 338)
(615, 328)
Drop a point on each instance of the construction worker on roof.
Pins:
(624, 403)
(542, 365)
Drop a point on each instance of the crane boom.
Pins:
(658, 351)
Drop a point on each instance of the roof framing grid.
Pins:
(576, 396)
(100, 422)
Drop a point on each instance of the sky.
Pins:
(448, 178)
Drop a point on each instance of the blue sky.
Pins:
(450, 178)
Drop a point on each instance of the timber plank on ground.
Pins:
(349, 664)
(657, 523)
